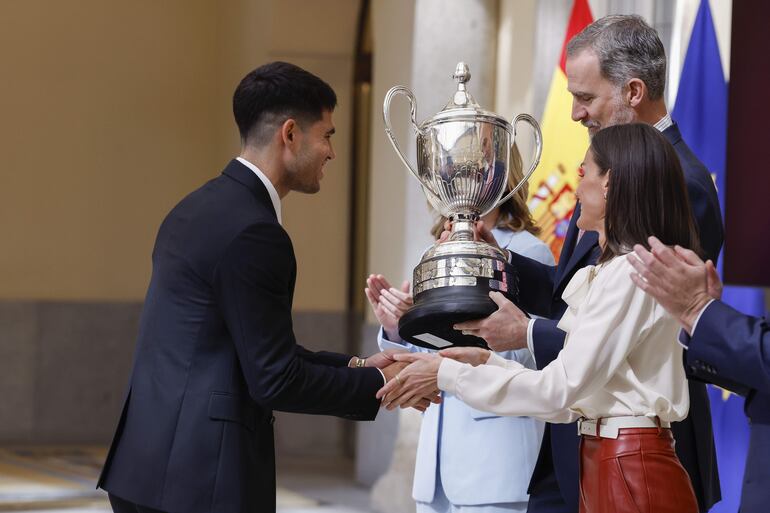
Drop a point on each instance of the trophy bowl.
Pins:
(463, 159)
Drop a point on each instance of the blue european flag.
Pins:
(701, 112)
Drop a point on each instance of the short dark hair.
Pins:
(627, 47)
(275, 92)
(646, 191)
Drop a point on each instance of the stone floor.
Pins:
(60, 479)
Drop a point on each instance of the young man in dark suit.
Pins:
(616, 72)
(724, 347)
(216, 352)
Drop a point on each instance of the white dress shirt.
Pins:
(620, 357)
(664, 122)
(268, 185)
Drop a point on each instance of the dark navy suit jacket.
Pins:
(729, 349)
(216, 354)
(540, 293)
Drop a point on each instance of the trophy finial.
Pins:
(462, 73)
(462, 98)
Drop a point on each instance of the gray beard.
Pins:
(623, 114)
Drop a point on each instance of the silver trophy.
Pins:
(463, 154)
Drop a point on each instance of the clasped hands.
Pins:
(418, 380)
(392, 366)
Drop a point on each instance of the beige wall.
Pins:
(392, 33)
(515, 63)
(112, 111)
(106, 118)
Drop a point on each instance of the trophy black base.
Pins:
(430, 322)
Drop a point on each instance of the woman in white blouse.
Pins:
(621, 367)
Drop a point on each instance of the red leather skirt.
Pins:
(636, 473)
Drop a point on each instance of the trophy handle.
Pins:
(396, 90)
(538, 152)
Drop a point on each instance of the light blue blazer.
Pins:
(481, 458)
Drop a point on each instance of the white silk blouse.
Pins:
(621, 357)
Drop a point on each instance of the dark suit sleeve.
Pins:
(535, 284)
(253, 290)
(324, 357)
(547, 341)
(705, 208)
(731, 345)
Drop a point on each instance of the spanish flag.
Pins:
(552, 186)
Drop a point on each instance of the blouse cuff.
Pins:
(531, 340)
(448, 373)
(496, 360)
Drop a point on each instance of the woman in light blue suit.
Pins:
(470, 461)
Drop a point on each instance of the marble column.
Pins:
(443, 34)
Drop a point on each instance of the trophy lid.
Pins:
(462, 106)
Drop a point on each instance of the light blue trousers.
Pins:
(441, 504)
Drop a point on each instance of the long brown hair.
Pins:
(514, 213)
(646, 191)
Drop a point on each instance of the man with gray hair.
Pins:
(616, 73)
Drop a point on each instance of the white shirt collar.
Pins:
(268, 185)
(664, 122)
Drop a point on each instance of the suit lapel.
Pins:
(673, 134)
(587, 243)
(574, 250)
(570, 240)
(246, 177)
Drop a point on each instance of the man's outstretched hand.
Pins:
(415, 383)
(504, 330)
(420, 400)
